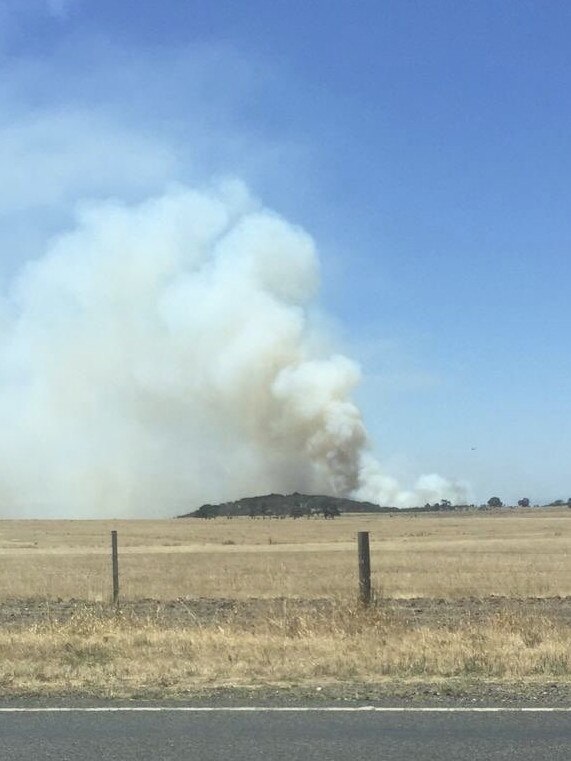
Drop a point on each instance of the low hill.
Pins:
(283, 505)
(297, 505)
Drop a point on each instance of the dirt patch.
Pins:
(394, 694)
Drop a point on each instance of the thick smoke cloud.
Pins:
(162, 355)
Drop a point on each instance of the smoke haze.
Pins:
(163, 355)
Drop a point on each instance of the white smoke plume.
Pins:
(162, 355)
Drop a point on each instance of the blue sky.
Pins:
(425, 146)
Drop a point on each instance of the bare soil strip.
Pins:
(415, 612)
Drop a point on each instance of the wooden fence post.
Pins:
(364, 567)
(115, 564)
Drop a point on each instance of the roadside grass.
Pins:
(114, 654)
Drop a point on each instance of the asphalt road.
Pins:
(275, 735)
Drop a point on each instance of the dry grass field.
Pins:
(246, 602)
(514, 554)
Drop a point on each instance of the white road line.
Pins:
(283, 709)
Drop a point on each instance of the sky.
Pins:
(424, 146)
